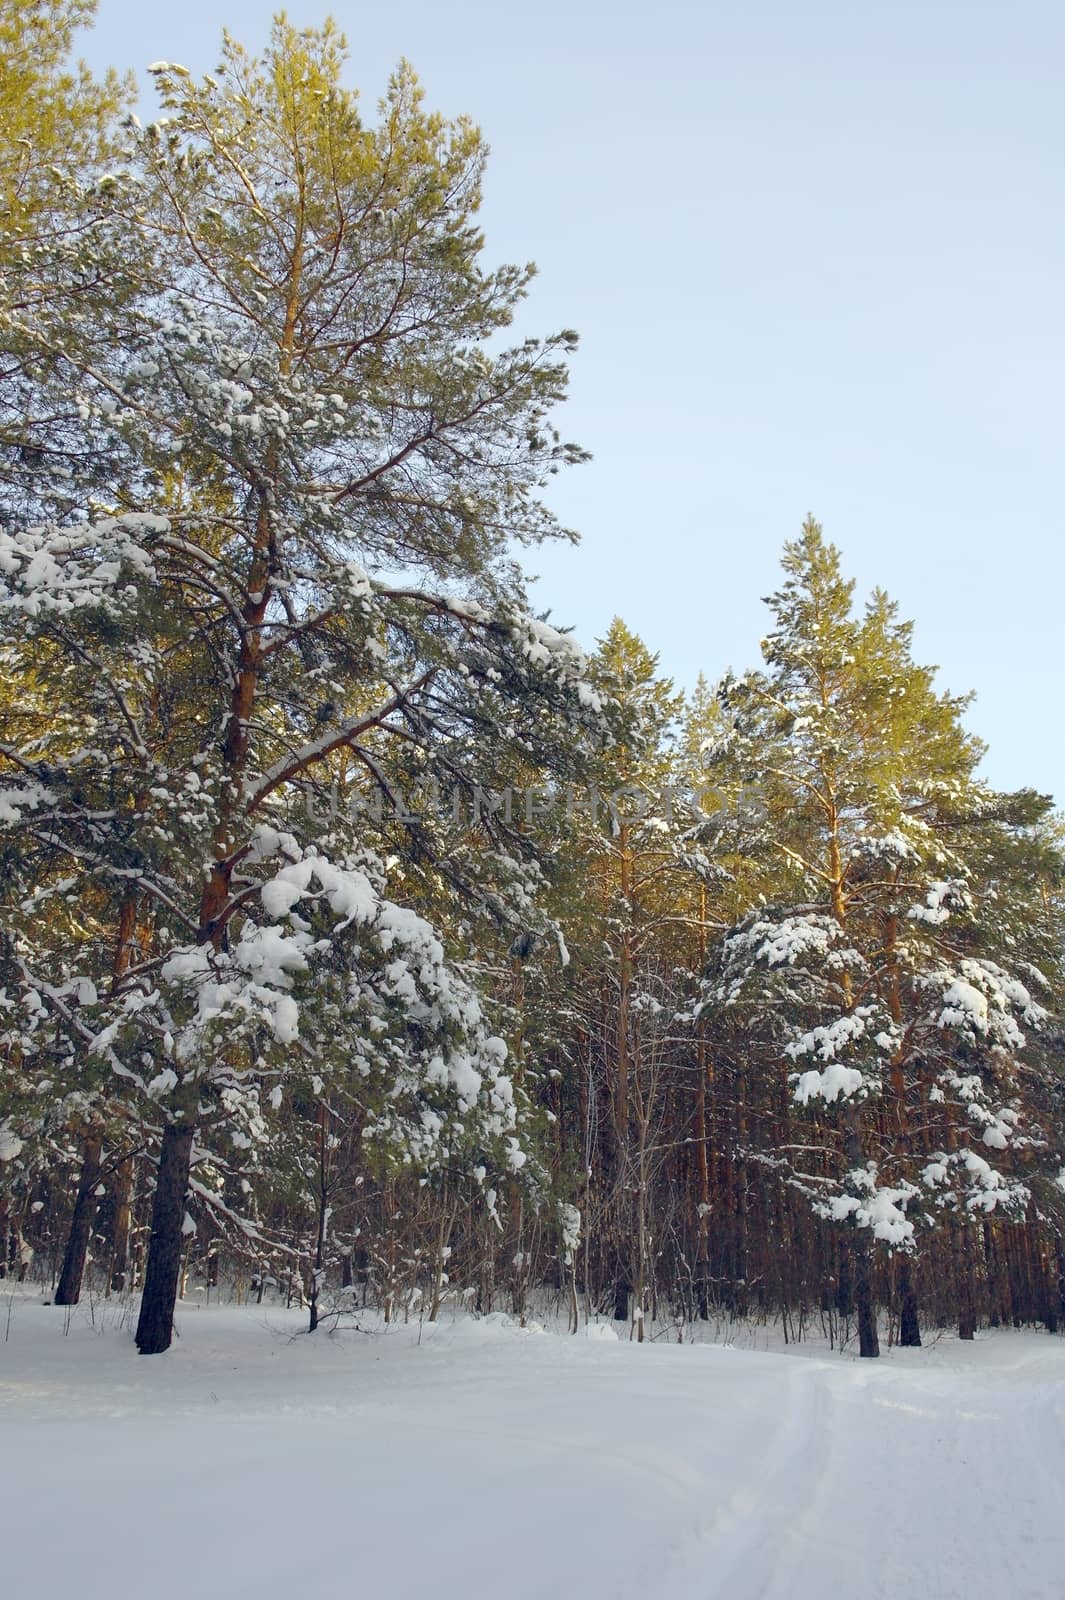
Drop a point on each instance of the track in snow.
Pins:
(489, 1462)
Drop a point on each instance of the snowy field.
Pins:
(473, 1459)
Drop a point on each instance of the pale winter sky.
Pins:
(816, 255)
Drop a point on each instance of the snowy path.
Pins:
(488, 1462)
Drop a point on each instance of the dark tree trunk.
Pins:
(1048, 1288)
(994, 1278)
(862, 1266)
(845, 1283)
(909, 1326)
(155, 1326)
(964, 1280)
(121, 1194)
(702, 1157)
(68, 1291)
(868, 1340)
(323, 1219)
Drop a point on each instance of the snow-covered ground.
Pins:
(473, 1459)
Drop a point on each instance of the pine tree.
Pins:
(859, 972)
(57, 123)
(312, 443)
(619, 903)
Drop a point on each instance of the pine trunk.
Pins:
(964, 1281)
(68, 1292)
(868, 1339)
(909, 1326)
(121, 1193)
(155, 1326)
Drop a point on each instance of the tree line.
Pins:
(358, 931)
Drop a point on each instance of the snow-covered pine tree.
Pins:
(870, 970)
(58, 127)
(272, 538)
(59, 133)
(57, 121)
(620, 899)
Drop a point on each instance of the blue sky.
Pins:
(816, 255)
